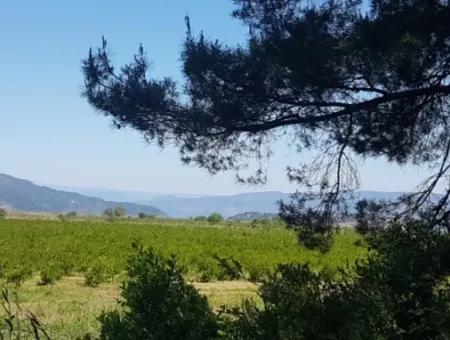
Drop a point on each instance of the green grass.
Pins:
(69, 308)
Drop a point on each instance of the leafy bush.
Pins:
(50, 274)
(215, 218)
(400, 292)
(3, 213)
(146, 216)
(109, 212)
(94, 275)
(158, 303)
(18, 275)
(119, 211)
(230, 269)
(71, 214)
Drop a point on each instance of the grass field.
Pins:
(70, 308)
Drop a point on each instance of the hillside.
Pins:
(263, 202)
(256, 202)
(23, 195)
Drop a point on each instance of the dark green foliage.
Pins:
(200, 218)
(71, 214)
(3, 213)
(158, 303)
(109, 212)
(94, 275)
(146, 216)
(230, 269)
(341, 77)
(400, 292)
(119, 211)
(215, 218)
(114, 212)
(18, 275)
(50, 274)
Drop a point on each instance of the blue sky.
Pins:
(49, 134)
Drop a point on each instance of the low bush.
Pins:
(215, 218)
(18, 275)
(230, 268)
(93, 276)
(400, 292)
(158, 303)
(50, 274)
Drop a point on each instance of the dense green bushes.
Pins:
(215, 218)
(158, 303)
(78, 246)
(400, 291)
(51, 273)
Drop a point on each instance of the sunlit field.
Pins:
(77, 252)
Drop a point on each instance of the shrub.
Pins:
(71, 214)
(146, 216)
(400, 292)
(200, 218)
(158, 303)
(119, 211)
(230, 269)
(3, 213)
(93, 276)
(19, 275)
(215, 218)
(108, 212)
(50, 274)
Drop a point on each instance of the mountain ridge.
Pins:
(23, 195)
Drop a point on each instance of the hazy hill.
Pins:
(265, 202)
(19, 194)
(185, 205)
(257, 202)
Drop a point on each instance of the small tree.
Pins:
(119, 211)
(143, 215)
(341, 78)
(71, 214)
(109, 212)
(215, 218)
(3, 213)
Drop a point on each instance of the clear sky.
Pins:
(49, 134)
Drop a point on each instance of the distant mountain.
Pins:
(23, 195)
(256, 202)
(251, 215)
(264, 202)
(120, 195)
(185, 205)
